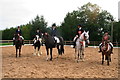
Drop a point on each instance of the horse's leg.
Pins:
(108, 60)
(16, 52)
(78, 55)
(51, 54)
(102, 58)
(110, 57)
(20, 52)
(58, 49)
(40, 53)
(34, 50)
(38, 50)
(75, 52)
(62, 48)
(82, 55)
(47, 49)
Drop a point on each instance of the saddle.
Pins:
(57, 40)
(107, 46)
(81, 42)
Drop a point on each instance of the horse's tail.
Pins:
(62, 44)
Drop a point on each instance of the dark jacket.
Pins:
(54, 32)
(19, 32)
(39, 34)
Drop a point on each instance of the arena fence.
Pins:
(92, 43)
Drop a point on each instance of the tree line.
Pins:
(90, 16)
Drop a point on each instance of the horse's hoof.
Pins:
(77, 61)
(83, 60)
(38, 54)
(41, 53)
(34, 54)
(47, 59)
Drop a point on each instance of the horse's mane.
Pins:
(82, 35)
(48, 39)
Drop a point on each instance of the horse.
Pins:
(80, 45)
(37, 45)
(52, 42)
(106, 51)
(18, 44)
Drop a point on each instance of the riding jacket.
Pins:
(19, 32)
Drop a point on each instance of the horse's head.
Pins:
(18, 40)
(104, 46)
(17, 36)
(86, 36)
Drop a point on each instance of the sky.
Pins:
(18, 12)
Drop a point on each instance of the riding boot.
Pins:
(100, 50)
(111, 48)
(74, 44)
(33, 44)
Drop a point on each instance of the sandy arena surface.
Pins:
(30, 66)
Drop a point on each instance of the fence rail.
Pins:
(92, 43)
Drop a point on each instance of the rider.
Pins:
(106, 37)
(19, 32)
(77, 34)
(54, 30)
(38, 32)
(54, 33)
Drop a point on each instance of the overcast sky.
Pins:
(16, 12)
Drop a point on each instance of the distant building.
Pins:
(119, 10)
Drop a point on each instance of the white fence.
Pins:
(92, 43)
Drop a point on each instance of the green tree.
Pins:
(91, 17)
(8, 34)
(38, 22)
(26, 29)
(116, 33)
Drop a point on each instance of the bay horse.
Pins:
(106, 52)
(18, 44)
(37, 45)
(52, 42)
(80, 45)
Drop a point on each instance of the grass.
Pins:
(2, 44)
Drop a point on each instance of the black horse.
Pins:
(18, 44)
(37, 45)
(51, 43)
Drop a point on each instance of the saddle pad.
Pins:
(57, 39)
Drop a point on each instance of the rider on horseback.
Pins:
(106, 38)
(54, 33)
(79, 29)
(18, 32)
(39, 34)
